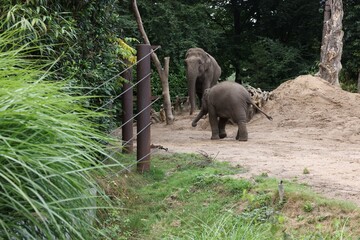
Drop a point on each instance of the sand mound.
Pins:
(311, 102)
(316, 127)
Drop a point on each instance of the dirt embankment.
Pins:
(316, 127)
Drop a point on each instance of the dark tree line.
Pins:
(264, 42)
(260, 42)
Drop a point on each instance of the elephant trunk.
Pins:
(191, 77)
(198, 117)
(204, 108)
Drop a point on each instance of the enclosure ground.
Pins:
(313, 139)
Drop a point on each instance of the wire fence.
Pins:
(123, 71)
(134, 116)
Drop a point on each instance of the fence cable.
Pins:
(133, 137)
(140, 112)
(130, 88)
(128, 167)
(126, 69)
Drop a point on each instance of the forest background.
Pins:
(261, 42)
(51, 140)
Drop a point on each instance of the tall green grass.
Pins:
(49, 149)
(228, 226)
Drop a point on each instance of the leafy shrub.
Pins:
(49, 148)
(272, 63)
(83, 38)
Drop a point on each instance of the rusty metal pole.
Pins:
(127, 116)
(143, 108)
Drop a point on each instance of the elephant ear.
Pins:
(207, 61)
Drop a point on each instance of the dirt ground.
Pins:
(313, 139)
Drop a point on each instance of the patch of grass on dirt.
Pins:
(191, 196)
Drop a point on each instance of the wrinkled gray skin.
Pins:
(202, 72)
(224, 101)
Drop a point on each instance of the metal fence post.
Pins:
(127, 116)
(143, 107)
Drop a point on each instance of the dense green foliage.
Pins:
(235, 32)
(277, 62)
(351, 54)
(49, 149)
(83, 36)
(260, 42)
(263, 42)
(50, 144)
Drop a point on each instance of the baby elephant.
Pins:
(227, 100)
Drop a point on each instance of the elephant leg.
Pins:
(222, 124)
(242, 134)
(214, 126)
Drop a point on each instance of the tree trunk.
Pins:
(331, 49)
(165, 91)
(358, 86)
(237, 74)
(163, 72)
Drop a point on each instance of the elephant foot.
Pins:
(242, 134)
(242, 139)
(222, 135)
(215, 137)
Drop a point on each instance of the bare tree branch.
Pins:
(163, 73)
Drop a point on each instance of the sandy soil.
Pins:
(316, 127)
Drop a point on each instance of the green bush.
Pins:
(49, 147)
(272, 63)
(83, 38)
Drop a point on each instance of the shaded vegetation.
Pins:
(261, 42)
(188, 196)
(52, 143)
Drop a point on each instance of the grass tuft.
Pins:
(49, 150)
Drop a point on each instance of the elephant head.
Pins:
(202, 72)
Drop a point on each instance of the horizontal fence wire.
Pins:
(111, 155)
(140, 112)
(128, 167)
(130, 88)
(131, 139)
(126, 69)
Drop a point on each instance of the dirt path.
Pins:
(316, 127)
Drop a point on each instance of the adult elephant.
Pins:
(224, 101)
(202, 72)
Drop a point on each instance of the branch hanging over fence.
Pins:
(163, 72)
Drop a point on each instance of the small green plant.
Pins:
(308, 207)
(306, 171)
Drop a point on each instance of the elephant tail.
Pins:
(254, 104)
